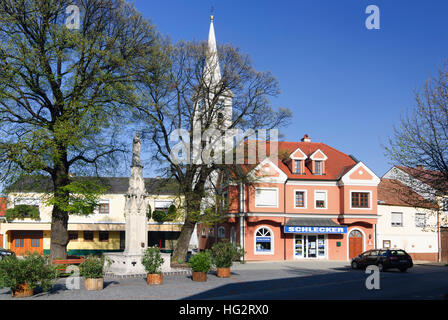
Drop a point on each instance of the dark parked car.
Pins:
(384, 259)
(5, 252)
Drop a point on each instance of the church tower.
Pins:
(221, 110)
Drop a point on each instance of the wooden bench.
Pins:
(63, 262)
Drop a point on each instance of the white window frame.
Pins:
(97, 209)
(326, 199)
(266, 206)
(391, 223)
(361, 191)
(27, 201)
(171, 202)
(321, 172)
(305, 198)
(297, 165)
(424, 218)
(272, 242)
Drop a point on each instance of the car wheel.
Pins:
(380, 267)
(355, 265)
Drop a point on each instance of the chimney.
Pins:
(306, 138)
(420, 167)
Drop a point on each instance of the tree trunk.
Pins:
(59, 219)
(181, 250)
(193, 207)
(59, 234)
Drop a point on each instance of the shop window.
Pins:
(221, 232)
(263, 241)
(73, 235)
(104, 235)
(397, 219)
(88, 235)
(360, 200)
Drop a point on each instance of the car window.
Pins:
(400, 253)
(382, 253)
(374, 253)
(365, 254)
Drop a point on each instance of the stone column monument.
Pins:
(136, 207)
(128, 263)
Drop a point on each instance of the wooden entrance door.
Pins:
(444, 244)
(23, 241)
(355, 244)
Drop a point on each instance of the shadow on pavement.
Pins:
(277, 289)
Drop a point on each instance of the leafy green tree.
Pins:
(21, 212)
(64, 93)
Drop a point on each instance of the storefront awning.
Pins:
(313, 225)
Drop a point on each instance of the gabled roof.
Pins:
(336, 165)
(116, 185)
(393, 192)
(434, 179)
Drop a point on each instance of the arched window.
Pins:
(203, 232)
(264, 241)
(221, 232)
(211, 232)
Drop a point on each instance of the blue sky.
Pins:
(346, 85)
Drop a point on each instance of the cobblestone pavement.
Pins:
(268, 280)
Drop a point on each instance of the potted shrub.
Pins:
(22, 276)
(200, 265)
(152, 261)
(92, 269)
(223, 254)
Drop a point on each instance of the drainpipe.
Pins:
(284, 220)
(242, 240)
(439, 254)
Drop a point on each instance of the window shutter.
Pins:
(266, 197)
(320, 196)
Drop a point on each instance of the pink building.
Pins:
(314, 203)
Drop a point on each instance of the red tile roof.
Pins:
(393, 192)
(337, 164)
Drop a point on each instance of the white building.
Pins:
(406, 221)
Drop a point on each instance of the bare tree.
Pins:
(202, 89)
(419, 146)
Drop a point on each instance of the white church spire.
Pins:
(212, 70)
